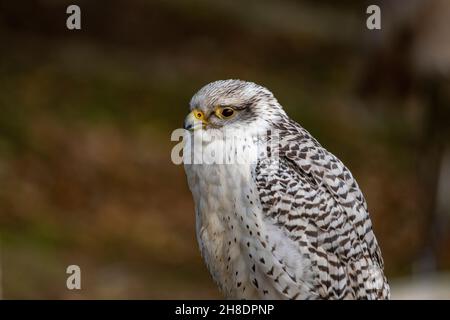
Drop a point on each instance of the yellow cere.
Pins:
(198, 114)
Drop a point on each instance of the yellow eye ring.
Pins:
(225, 112)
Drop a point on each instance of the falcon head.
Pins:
(231, 104)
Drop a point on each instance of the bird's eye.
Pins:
(226, 112)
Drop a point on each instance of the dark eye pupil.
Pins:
(228, 112)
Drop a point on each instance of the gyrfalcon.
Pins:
(277, 215)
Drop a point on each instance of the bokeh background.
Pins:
(86, 117)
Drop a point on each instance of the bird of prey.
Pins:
(290, 223)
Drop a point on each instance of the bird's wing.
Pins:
(313, 198)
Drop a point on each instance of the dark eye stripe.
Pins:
(243, 106)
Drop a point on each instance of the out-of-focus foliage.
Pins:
(86, 117)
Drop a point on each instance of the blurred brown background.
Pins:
(86, 118)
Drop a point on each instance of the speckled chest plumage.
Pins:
(293, 226)
(238, 243)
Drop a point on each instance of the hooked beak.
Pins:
(195, 120)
